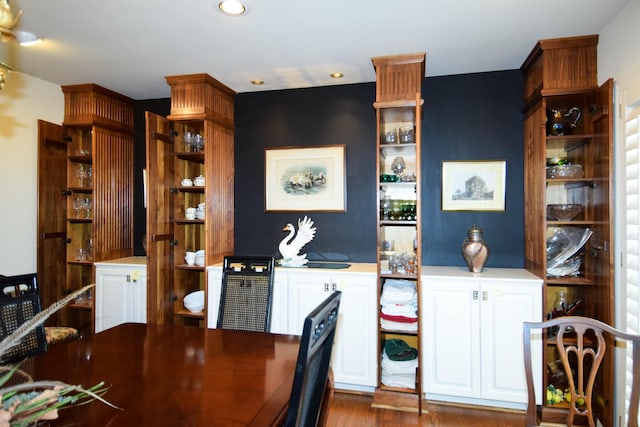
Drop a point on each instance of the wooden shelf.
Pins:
(80, 220)
(84, 263)
(189, 314)
(398, 332)
(397, 149)
(83, 190)
(197, 156)
(189, 221)
(400, 184)
(81, 158)
(192, 189)
(569, 281)
(398, 276)
(553, 223)
(397, 389)
(391, 222)
(75, 306)
(568, 143)
(190, 267)
(396, 104)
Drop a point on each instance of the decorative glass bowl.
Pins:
(564, 211)
(565, 171)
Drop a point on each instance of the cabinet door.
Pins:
(52, 227)
(306, 292)
(503, 309)
(354, 356)
(112, 299)
(451, 337)
(159, 203)
(121, 297)
(279, 311)
(214, 288)
(138, 291)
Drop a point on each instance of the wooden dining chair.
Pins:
(247, 292)
(581, 344)
(19, 302)
(313, 364)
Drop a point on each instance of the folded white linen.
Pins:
(398, 291)
(390, 325)
(403, 381)
(407, 310)
(398, 367)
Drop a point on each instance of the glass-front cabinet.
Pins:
(398, 110)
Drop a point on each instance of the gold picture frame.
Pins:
(474, 185)
(305, 178)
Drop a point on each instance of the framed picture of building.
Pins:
(474, 185)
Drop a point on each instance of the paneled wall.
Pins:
(466, 117)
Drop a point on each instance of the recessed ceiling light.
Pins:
(257, 82)
(232, 7)
(337, 75)
(26, 38)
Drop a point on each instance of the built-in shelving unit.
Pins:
(85, 195)
(195, 141)
(560, 78)
(398, 108)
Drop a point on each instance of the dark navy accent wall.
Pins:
(465, 117)
(307, 117)
(473, 117)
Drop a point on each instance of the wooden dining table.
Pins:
(163, 375)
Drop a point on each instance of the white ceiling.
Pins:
(129, 46)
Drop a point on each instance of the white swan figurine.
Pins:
(290, 246)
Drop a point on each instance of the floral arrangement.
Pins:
(29, 402)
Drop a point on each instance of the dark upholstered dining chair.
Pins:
(247, 292)
(19, 302)
(312, 367)
(581, 344)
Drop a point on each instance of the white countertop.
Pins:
(354, 267)
(130, 261)
(493, 274)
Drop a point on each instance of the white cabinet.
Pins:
(121, 292)
(472, 334)
(298, 291)
(354, 361)
(306, 292)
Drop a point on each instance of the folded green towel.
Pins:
(399, 350)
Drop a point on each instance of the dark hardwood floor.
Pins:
(354, 410)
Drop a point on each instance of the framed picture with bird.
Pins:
(305, 178)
